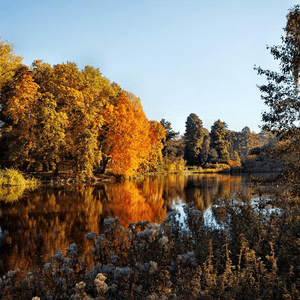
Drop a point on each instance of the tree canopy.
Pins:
(62, 118)
(194, 133)
(127, 132)
(9, 62)
(281, 93)
(218, 140)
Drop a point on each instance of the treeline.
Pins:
(59, 118)
(208, 149)
(62, 118)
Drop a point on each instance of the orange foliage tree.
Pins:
(126, 137)
(62, 118)
(33, 131)
(18, 101)
(156, 135)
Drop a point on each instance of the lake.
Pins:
(34, 224)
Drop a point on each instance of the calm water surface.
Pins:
(35, 225)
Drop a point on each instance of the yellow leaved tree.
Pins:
(33, 131)
(156, 136)
(80, 96)
(62, 118)
(9, 62)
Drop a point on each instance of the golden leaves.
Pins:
(8, 62)
(54, 116)
(127, 137)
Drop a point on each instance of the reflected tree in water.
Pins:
(132, 205)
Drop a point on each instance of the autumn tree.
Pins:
(81, 96)
(9, 62)
(18, 100)
(126, 135)
(59, 117)
(34, 131)
(156, 136)
(55, 115)
(76, 100)
(218, 140)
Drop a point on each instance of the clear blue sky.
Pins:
(178, 56)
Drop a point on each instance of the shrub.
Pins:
(12, 177)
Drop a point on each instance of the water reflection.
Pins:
(132, 204)
(33, 228)
(202, 190)
(11, 193)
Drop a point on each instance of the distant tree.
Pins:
(170, 142)
(237, 159)
(218, 140)
(205, 149)
(213, 155)
(246, 142)
(173, 150)
(193, 136)
(233, 139)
